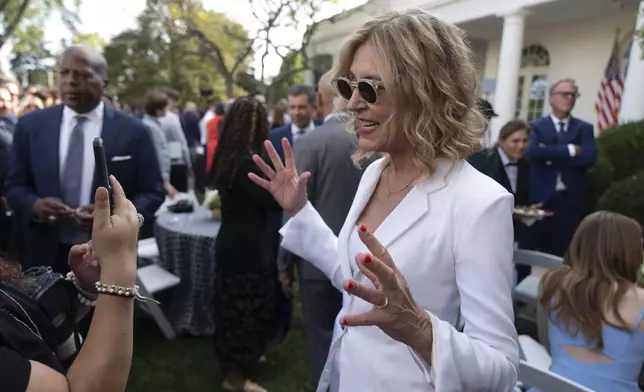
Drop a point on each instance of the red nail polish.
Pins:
(343, 321)
(351, 285)
(363, 228)
(367, 259)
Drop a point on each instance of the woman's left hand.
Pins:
(85, 266)
(394, 311)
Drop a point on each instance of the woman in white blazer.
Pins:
(424, 259)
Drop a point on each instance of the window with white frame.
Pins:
(533, 82)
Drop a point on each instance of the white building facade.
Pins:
(520, 47)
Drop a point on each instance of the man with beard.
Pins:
(50, 180)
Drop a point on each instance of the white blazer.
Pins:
(452, 239)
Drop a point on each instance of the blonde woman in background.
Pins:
(424, 259)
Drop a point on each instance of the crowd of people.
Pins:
(374, 187)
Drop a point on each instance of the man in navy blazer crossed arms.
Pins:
(561, 150)
(50, 182)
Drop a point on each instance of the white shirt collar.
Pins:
(556, 121)
(96, 115)
(334, 115)
(295, 129)
(504, 158)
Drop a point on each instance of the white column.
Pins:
(309, 77)
(507, 78)
(632, 108)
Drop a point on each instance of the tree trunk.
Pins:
(229, 85)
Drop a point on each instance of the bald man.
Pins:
(326, 153)
(50, 181)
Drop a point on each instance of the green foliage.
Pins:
(600, 177)
(23, 22)
(625, 197)
(623, 146)
(157, 52)
(215, 203)
(93, 40)
(22, 18)
(617, 179)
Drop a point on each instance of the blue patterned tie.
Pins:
(562, 132)
(72, 175)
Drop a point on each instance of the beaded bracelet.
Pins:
(120, 291)
(84, 297)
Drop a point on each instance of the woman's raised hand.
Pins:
(286, 186)
(394, 311)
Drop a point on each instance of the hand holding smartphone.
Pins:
(101, 169)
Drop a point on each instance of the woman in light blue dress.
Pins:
(591, 309)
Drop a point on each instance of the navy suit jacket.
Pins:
(276, 135)
(552, 158)
(34, 171)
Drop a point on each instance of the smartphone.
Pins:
(100, 168)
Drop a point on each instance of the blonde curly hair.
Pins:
(426, 67)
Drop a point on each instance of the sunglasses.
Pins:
(367, 88)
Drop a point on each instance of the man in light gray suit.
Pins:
(326, 153)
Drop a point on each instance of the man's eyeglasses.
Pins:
(568, 95)
(367, 88)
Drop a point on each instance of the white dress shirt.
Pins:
(296, 131)
(334, 115)
(571, 147)
(203, 126)
(452, 239)
(91, 129)
(512, 171)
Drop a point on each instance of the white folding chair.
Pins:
(546, 381)
(152, 279)
(534, 353)
(527, 290)
(148, 249)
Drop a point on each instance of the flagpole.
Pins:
(632, 107)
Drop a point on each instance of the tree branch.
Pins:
(9, 30)
(219, 56)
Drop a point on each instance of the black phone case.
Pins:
(101, 169)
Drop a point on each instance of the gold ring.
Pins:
(383, 305)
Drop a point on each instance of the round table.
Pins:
(187, 249)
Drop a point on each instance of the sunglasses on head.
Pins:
(367, 88)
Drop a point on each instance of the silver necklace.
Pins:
(33, 330)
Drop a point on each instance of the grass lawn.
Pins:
(187, 364)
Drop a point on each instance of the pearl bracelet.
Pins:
(120, 291)
(84, 297)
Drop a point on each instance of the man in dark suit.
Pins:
(561, 149)
(505, 163)
(326, 153)
(51, 183)
(301, 108)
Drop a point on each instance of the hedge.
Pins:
(616, 180)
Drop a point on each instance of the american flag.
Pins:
(609, 96)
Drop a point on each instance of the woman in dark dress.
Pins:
(245, 269)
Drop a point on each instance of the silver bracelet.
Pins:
(120, 291)
(86, 298)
